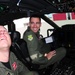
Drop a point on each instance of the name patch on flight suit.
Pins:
(30, 37)
(34, 56)
(7, 73)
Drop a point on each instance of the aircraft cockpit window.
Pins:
(22, 24)
(6, 26)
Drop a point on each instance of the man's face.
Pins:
(5, 40)
(35, 24)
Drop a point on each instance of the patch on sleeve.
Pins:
(30, 37)
(14, 65)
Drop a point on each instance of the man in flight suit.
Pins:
(40, 53)
(9, 64)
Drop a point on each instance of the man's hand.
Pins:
(50, 54)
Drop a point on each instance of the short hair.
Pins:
(35, 16)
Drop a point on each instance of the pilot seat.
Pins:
(19, 47)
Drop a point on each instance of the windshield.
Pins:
(59, 19)
(22, 24)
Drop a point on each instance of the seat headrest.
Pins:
(15, 36)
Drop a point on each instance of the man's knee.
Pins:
(62, 51)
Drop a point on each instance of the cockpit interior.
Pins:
(62, 36)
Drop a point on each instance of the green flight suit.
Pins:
(17, 68)
(37, 49)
